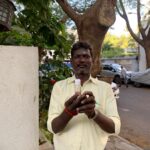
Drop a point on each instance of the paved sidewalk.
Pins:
(114, 143)
(119, 143)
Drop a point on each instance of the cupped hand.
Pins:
(73, 102)
(87, 104)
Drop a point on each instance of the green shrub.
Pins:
(50, 72)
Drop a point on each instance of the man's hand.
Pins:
(59, 123)
(73, 102)
(87, 104)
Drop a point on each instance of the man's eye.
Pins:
(83, 56)
(87, 56)
(76, 57)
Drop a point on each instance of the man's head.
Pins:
(80, 45)
(81, 58)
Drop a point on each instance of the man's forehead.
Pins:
(82, 51)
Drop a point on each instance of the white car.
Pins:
(115, 71)
(139, 78)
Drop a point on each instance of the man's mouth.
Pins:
(81, 66)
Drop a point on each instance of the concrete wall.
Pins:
(131, 63)
(142, 55)
(18, 98)
(142, 59)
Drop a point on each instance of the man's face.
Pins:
(81, 62)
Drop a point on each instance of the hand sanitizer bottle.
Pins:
(77, 86)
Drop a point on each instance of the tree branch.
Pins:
(125, 17)
(106, 12)
(119, 11)
(146, 27)
(148, 33)
(139, 19)
(68, 9)
(64, 19)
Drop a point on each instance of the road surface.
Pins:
(134, 109)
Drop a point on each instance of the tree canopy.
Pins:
(37, 23)
(114, 46)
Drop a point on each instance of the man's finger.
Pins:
(88, 100)
(88, 93)
(84, 108)
(71, 99)
(77, 102)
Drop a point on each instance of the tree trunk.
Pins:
(90, 31)
(92, 25)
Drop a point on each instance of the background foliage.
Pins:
(50, 71)
(115, 46)
(35, 25)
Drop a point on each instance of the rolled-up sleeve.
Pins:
(111, 109)
(54, 107)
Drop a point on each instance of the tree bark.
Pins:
(93, 25)
(90, 31)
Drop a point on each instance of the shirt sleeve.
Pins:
(54, 107)
(111, 109)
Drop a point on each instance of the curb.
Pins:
(119, 143)
(114, 143)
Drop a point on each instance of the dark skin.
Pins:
(82, 103)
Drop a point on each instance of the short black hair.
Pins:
(79, 45)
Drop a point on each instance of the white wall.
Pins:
(142, 55)
(142, 59)
(18, 98)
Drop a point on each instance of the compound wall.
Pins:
(18, 98)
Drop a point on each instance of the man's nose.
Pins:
(82, 59)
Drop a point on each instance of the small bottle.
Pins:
(77, 86)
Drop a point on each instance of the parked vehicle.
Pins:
(114, 70)
(139, 78)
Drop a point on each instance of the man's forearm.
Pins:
(105, 123)
(60, 122)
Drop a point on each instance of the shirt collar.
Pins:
(72, 79)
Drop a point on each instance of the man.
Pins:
(124, 76)
(82, 121)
